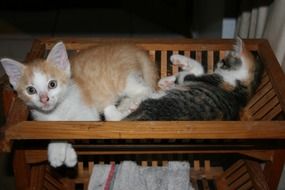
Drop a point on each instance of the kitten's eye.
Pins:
(224, 65)
(31, 90)
(52, 84)
(221, 63)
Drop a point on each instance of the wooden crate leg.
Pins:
(22, 170)
(273, 169)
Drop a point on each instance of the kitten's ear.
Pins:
(239, 46)
(13, 69)
(58, 56)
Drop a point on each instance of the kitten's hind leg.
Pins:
(189, 65)
(136, 90)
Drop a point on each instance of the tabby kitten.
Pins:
(194, 95)
(79, 88)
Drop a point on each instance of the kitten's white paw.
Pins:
(167, 83)
(60, 153)
(187, 64)
(180, 61)
(70, 156)
(111, 113)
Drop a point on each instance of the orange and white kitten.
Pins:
(79, 88)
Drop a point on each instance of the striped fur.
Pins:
(216, 96)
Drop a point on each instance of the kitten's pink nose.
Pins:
(44, 99)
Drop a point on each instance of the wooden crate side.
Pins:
(147, 130)
(243, 174)
(274, 71)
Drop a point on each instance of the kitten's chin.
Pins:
(47, 108)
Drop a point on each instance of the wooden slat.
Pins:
(256, 176)
(262, 102)
(222, 54)
(52, 182)
(144, 163)
(37, 176)
(207, 165)
(210, 61)
(21, 168)
(101, 162)
(204, 44)
(196, 165)
(265, 109)
(272, 170)
(274, 71)
(164, 163)
(80, 168)
(174, 68)
(187, 53)
(154, 163)
(163, 66)
(205, 184)
(246, 186)
(145, 130)
(199, 56)
(259, 95)
(237, 175)
(233, 168)
(265, 80)
(240, 181)
(90, 167)
(152, 55)
(48, 186)
(273, 113)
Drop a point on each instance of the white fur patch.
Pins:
(167, 83)
(136, 86)
(61, 153)
(187, 64)
(70, 108)
(232, 76)
(111, 113)
(136, 91)
(40, 81)
(157, 95)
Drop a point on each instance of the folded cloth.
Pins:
(129, 176)
(175, 176)
(156, 178)
(99, 177)
(178, 176)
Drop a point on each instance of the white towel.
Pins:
(178, 176)
(129, 176)
(99, 177)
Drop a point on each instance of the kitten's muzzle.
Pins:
(44, 99)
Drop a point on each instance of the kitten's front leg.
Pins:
(61, 153)
(111, 113)
(191, 66)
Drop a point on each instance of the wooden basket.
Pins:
(222, 154)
